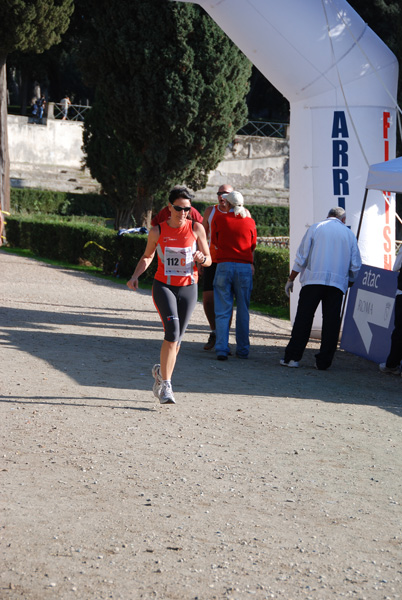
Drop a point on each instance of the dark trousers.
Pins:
(331, 303)
(395, 354)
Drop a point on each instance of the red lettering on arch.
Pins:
(387, 238)
(386, 124)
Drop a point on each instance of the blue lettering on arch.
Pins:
(340, 158)
(339, 126)
(341, 185)
(340, 153)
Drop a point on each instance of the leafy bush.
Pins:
(271, 220)
(69, 242)
(275, 218)
(271, 273)
(31, 200)
(272, 231)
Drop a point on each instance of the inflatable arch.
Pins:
(341, 82)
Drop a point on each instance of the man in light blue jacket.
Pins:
(328, 260)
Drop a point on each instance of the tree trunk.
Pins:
(143, 208)
(123, 218)
(24, 90)
(4, 158)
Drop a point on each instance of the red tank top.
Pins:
(176, 247)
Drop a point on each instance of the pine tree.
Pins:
(385, 18)
(25, 25)
(175, 89)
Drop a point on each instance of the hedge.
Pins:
(270, 220)
(31, 200)
(77, 243)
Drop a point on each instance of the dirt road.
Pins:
(261, 482)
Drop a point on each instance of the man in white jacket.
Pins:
(328, 260)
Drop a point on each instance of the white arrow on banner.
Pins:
(371, 308)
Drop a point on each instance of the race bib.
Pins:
(178, 261)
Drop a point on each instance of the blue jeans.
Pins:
(232, 280)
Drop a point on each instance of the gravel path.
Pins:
(261, 482)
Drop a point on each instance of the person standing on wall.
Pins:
(393, 363)
(34, 109)
(41, 107)
(235, 237)
(180, 244)
(65, 105)
(328, 259)
(209, 272)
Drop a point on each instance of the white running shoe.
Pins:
(156, 374)
(166, 393)
(289, 363)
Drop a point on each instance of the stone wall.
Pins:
(256, 166)
(56, 143)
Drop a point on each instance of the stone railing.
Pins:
(277, 242)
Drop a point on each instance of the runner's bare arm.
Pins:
(202, 255)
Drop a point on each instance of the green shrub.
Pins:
(271, 220)
(272, 231)
(31, 200)
(272, 216)
(69, 242)
(271, 273)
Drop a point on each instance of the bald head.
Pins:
(224, 189)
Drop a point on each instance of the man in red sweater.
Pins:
(235, 237)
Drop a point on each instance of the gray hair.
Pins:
(337, 212)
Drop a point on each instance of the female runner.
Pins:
(174, 290)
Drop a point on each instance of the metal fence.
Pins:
(76, 112)
(264, 129)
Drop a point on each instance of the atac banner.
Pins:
(369, 319)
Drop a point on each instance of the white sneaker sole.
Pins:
(158, 380)
(292, 364)
(167, 400)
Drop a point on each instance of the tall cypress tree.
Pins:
(26, 25)
(175, 89)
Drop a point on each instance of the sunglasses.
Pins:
(180, 208)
